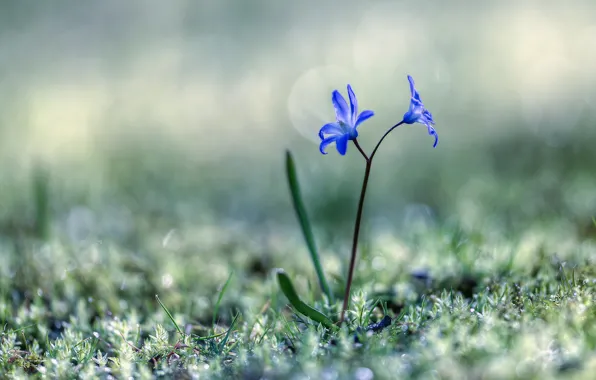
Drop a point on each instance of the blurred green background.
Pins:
(163, 125)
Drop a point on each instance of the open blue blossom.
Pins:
(348, 119)
(418, 114)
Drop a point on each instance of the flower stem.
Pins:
(355, 241)
(359, 218)
(383, 138)
(360, 150)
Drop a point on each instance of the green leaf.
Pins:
(305, 224)
(169, 315)
(221, 294)
(288, 289)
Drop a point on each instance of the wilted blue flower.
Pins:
(344, 129)
(418, 114)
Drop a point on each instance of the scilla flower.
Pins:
(348, 119)
(418, 114)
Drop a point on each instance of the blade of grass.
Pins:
(22, 329)
(41, 194)
(210, 336)
(286, 325)
(288, 289)
(372, 309)
(305, 223)
(264, 333)
(169, 315)
(219, 298)
(225, 339)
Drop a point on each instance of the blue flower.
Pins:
(348, 119)
(418, 114)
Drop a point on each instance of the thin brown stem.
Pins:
(359, 218)
(383, 138)
(355, 242)
(360, 149)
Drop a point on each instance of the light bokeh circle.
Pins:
(309, 103)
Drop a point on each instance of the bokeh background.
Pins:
(162, 126)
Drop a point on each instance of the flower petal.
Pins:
(342, 144)
(365, 115)
(428, 116)
(412, 88)
(353, 105)
(326, 142)
(330, 129)
(342, 113)
(415, 95)
(433, 132)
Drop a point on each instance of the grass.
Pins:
(159, 293)
(476, 313)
